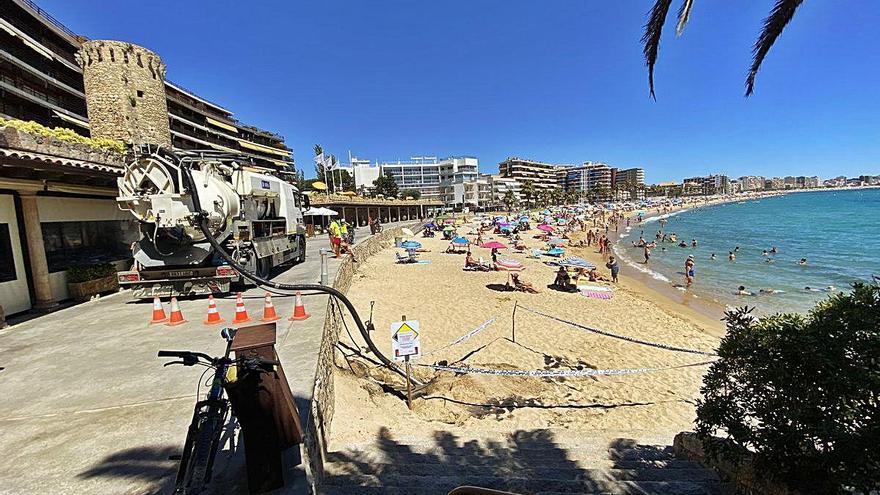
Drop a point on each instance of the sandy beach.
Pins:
(450, 303)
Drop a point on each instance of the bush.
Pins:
(84, 273)
(802, 393)
(64, 134)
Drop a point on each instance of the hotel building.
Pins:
(542, 175)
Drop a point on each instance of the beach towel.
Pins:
(597, 294)
(594, 288)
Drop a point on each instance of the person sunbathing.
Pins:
(522, 285)
(595, 276)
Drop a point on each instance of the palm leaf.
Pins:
(779, 17)
(651, 38)
(683, 15)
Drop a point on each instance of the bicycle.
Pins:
(210, 414)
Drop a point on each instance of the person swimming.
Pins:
(802, 262)
(731, 256)
(741, 290)
(682, 244)
(830, 288)
(712, 256)
(773, 250)
(736, 249)
(770, 291)
(693, 243)
(764, 253)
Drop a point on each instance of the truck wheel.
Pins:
(264, 267)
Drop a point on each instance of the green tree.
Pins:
(781, 14)
(801, 392)
(346, 180)
(385, 186)
(320, 172)
(528, 192)
(414, 193)
(509, 200)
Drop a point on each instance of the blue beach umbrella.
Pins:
(576, 262)
(410, 245)
(460, 240)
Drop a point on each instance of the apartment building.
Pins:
(543, 176)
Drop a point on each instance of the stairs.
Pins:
(528, 463)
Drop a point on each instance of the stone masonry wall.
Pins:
(125, 92)
(321, 413)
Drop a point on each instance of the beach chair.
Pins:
(535, 254)
(405, 259)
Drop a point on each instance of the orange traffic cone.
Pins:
(299, 311)
(176, 316)
(158, 312)
(269, 310)
(213, 316)
(241, 315)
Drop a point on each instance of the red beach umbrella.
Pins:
(509, 265)
(545, 228)
(493, 245)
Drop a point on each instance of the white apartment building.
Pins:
(433, 177)
(590, 178)
(501, 185)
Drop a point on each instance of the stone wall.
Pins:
(318, 428)
(125, 92)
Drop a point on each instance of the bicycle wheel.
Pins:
(201, 446)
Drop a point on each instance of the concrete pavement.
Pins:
(88, 407)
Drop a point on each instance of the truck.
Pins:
(252, 212)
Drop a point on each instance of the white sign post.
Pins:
(406, 343)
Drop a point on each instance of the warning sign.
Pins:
(406, 340)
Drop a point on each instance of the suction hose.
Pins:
(201, 218)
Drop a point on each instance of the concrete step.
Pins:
(440, 484)
(392, 450)
(492, 459)
(541, 471)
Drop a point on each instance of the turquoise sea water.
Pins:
(837, 231)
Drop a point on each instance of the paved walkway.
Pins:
(88, 408)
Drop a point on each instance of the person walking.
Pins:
(335, 231)
(689, 270)
(614, 266)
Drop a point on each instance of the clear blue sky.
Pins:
(557, 81)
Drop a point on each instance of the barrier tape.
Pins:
(553, 373)
(621, 337)
(465, 336)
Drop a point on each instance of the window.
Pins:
(82, 243)
(7, 260)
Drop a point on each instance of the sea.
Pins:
(838, 232)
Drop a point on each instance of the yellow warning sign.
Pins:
(406, 340)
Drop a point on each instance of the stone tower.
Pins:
(125, 92)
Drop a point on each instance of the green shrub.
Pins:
(64, 134)
(802, 393)
(84, 273)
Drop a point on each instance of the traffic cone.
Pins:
(269, 310)
(176, 316)
(299, 311)
(213, 316)
(158, 312)
(241, 315)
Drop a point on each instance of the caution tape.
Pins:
(465, 336)
(553, 373)
(621, 337)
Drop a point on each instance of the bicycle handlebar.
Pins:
(186, 354)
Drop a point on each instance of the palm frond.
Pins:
(651, 38)
(684, 13)
(779, 17)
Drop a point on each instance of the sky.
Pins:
(552, 80)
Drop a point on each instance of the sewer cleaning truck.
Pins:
(253, 213)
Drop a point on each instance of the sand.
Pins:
(450, 302)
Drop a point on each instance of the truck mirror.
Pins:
(306, 201)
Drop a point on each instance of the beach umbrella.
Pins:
(556, 241)
(406, 231)
(460, 240)
(448, 228)
(545, 228)
(509, 265)
(408, 245)
(320, 186)
(320, 212)
(493, 245)
(576, 262)
(557, 252)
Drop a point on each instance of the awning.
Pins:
(264, 149)
(222, 125)
(71, 120)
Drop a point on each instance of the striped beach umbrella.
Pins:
(509, 265)
(576, 262)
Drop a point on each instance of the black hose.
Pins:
(202, 222)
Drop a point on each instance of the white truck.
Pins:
(256, 216)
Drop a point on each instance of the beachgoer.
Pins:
(712, 256)
(736, 249)
(743, 292)
(614, 266)
(802, 262)
(522, 285)
(731, 256)
(563, 280)
(773, 250)
(335, 231)
(647, 254)
(689, 271)
(764, 253)
(693, 243)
